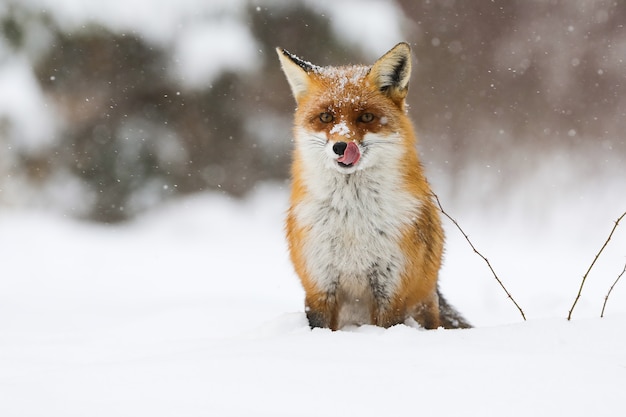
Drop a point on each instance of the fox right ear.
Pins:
(297, 72)
(392, 71)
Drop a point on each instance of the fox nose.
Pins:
(340, 147)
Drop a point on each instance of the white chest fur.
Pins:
(355, 223)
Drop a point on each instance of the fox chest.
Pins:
(353, 241)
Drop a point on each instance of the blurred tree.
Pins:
(491, 79)
(134, 135)
(500, 75)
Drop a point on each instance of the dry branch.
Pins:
(611, 289)
(582, 283)
(479, 254)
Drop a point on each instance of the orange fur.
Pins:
(365, 240)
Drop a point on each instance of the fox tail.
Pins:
(449, 317)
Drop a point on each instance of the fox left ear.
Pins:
(297, 72)
(392, 71)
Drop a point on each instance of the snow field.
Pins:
(193, 309)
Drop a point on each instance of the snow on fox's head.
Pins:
(345, 113)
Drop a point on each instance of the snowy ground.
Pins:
(193, 310)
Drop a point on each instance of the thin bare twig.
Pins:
(582, 283)
(611, 289)
(479, 254)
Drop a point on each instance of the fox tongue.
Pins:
(351, 155)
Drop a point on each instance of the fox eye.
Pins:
(366, 117)
(326, 117)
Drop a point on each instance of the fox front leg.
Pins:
(386, 311)
(386, 315)
(322, 311)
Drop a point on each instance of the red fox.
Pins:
(364, 235)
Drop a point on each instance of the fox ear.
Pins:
(392, 71)
(297, 72)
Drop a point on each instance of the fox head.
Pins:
(352, 117)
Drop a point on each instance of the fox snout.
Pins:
(349, 153)
(339, 148)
